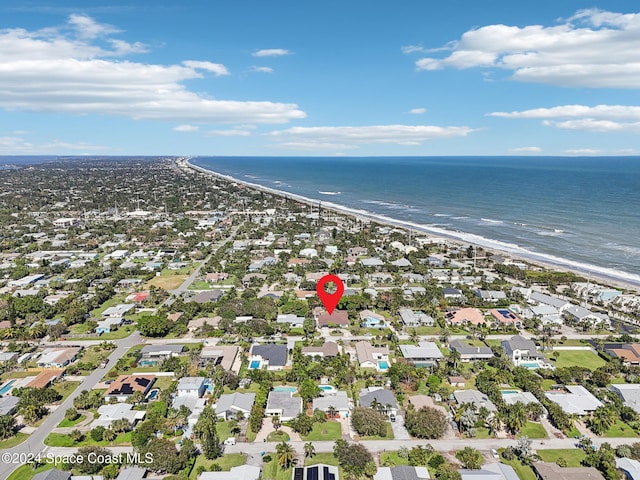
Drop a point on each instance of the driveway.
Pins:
(399, 430)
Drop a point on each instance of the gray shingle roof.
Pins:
(53, 474)
(276, 354)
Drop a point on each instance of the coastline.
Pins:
(602, 275)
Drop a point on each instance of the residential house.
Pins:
(475, 397)
(206, 296)
(131, 473)
(413, 318)
(116, 411)
(152, 354)
(338, 400)
(465, 316)
(274, 357)
(403, 472)
(629, 353)
(8, 404)
(57, 357)
(522, 352)
(293, 320)
(574, 399)
(327, 350)
(369, 356)
(504, 316)
(491, 471)
(450, 293)
(339, 318)
(581, 315)
(126, 385)
(470, 352)
(629, 393)
(630, 467)
(52, 474)
(223, 355)
(552, 471)
(45, 378)
(492, 296)
(426, 354)
(191, 386)
(379, 398)
(108, 324)
(425, 401)
(230, 404)
(511, 397)
(319, 471)
(242, 472)
(283, 405)
(118, 311)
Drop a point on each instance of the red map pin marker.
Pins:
(330, 300)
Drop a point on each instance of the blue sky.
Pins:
(259, 77)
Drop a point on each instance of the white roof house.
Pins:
(629, 393)
(576, 399)
(116, 411)
(191, 386)
(424, 352)
(118, 311)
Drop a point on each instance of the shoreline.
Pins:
(602, 275)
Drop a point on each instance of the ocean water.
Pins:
(582, 212)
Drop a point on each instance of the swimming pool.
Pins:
(6, 387)
(530, 365)
(326, 388)
(509, 392)
(254, 364)
(153, 394)
(147, 363)
(284, 388)
(383, 365)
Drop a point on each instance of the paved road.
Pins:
(35, 443)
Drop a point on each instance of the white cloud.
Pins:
(261, 69)
(526, 150)
(186, 128)
(594, 48)
(417, 111)
(583, 151)
(229, 133)
(81, 78)
(271, 52)
(407, 49)
(601, 118)
(342, 137)
(216, 68)
(20, 146)
(87, 28)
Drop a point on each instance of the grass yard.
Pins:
(323, 457)
(167, 282)
(64, 440)
(392, 459)
(580, 358)
(324, 431)
(272, 471)
(27, 472)
(65, 388)
(524, 472)
(621, 429)
(13, 441)
(278, 436)
(226, 462)
(200, 285)
(534, 430)
(71, 423)
(573, 456)
(224, 430)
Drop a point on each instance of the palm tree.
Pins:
(494, 424)
(309, 449)
(602, 420)
(285, 455)
(454, 358)
(332, 412)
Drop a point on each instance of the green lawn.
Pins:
(64, 440)
(226, 462)
(322, 457)
(272, 471)
(581, 358)
(621, 429)
(278, 436)
(13, 441)
(534, 430)
(67, 423)
(524, 472)
(224, 430)
(393, 459)
(573, 456)
(65, 388)
(324, 431)
(27, 472)
(483, 432)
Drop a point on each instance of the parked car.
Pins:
(392, 417)
(230, 441)
(494, 453)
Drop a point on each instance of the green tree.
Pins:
(207, 432)
(309, 449)
(369, 422)
(154, 325)
(7, 426)
(71, 414)
(285, 455)
(470, 458)
(426, 423)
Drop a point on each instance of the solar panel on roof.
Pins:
(298, 473)
(312, 473)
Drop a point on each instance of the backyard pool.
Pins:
(153, 394)
(530, 365)
(284, 388)
(6, 387)
(254, 364)
(509, 392)
(383, 365)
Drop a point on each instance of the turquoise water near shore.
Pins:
(580, 211)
